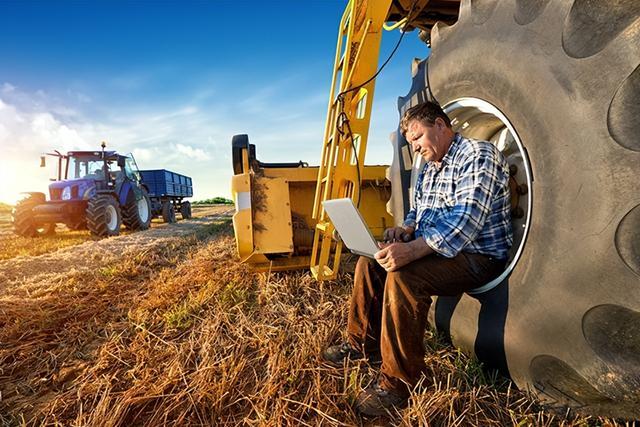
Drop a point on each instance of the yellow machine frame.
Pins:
(280, 223)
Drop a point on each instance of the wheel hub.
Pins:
(111, 218)
(143, 209)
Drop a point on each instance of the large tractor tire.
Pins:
(168, 212)
(185, 210)
(103, 216)
(23, 219)
(136, 213)
(563, 76)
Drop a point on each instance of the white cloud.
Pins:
(192, 153)
(32, 124)
(55, 134)
(143, 155)
(284, 127)
(24, 136)
(4, 132)
(7, 88)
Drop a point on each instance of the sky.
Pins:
(173, 81)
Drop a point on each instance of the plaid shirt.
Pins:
(465, 204)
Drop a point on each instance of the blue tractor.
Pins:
(94, 190)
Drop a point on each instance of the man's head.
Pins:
(428, 130)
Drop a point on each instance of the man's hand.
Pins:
(392, 256)
(398, 234)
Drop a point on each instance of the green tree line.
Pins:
(213, 201)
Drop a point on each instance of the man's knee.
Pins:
(398, 281)
(365, 261)
(363, 265)
(400, 276)
(405, 281)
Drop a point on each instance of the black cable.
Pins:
(345, 121)
(384, 64)
(343, 118)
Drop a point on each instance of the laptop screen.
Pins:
(351, 226)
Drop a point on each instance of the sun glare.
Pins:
(23, 176)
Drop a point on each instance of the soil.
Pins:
(93, 254)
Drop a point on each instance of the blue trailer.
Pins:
(167, 191)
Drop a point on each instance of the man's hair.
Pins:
(427, 113)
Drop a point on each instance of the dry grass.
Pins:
(5, 218)
(181, 334)
(12, 245)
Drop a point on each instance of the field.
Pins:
(165, 327)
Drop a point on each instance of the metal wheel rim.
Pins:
(143, 209)
(112, 217)
(482, 108)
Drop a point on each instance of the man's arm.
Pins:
(398, 234)
(410, 220)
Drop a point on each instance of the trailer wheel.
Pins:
(23, 221)
(136, 213)
(185, 210)
(103, 216)
(566, 76)
(168, 212)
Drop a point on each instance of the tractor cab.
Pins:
(82, 173)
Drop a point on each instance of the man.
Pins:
(455, 238)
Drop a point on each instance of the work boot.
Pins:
(375, 401)
(337, 354)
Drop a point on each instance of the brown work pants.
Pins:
(388, 312)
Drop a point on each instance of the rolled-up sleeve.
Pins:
(410, 220)
(456, 226)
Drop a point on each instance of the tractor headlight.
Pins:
(66, 193)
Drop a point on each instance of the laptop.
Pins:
(351, 227)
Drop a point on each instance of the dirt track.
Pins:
(93, 254)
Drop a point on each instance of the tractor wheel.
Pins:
(47, 229)
(136, 214)
(168, 212)
(564, 77)
(185, 210)
(77, 225)
(103, 216)
(23, 221)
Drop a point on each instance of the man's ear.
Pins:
(440, 124)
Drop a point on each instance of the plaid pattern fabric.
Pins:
(464, 205)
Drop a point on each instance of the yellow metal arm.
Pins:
(347, 126)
